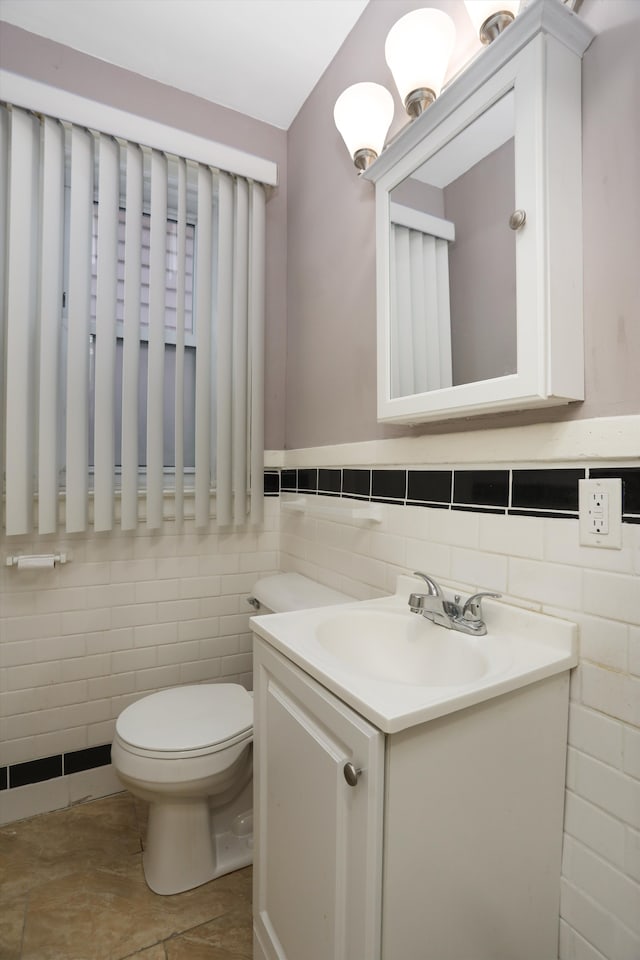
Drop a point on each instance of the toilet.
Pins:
(187, 751)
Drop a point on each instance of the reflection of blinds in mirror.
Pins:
(420, 313)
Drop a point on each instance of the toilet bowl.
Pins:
(187, 751)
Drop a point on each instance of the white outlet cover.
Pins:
(612, 486)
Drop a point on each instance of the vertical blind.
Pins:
(133, 332)
(420, 312)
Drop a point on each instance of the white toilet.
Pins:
(188, 752)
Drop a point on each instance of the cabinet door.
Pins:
(317, 863)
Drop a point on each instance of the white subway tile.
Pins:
(134, 615)
(213, 565)
(198, 587)
(604, 883)
(596, 734)
(128, 571)
(100, 733)
(32, 675)
(176, 568)
(612, 595)
(91, 784)
(112, 686)
(107, 641)
(198, 629)
(429, 557)
(110, 594)
(177, 610)
(562, 545)
(24, 802)
(597, 926)
(212, 647)
(150, 591)
(34, 627)
(552, 584)
(138, 658)
(632, 853)
(157, 678)
(612, 693)
(240, 663)
(223, 606)
(634, 651)
(80, 668)
(574, 947)
(61, 600)
(593, 827)
(178, 652)
(86, 621)
(484, 571)
(458, 528)
(155, 633)
(631, 747)
(200, 671)
(612, 791)
(512, 536)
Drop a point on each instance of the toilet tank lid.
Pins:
(292, 591)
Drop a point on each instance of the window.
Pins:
(170, 333)
(133, 327)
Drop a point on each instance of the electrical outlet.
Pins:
(601, 513)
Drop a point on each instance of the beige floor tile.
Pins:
(231, 933)
(12, 915)
(72, 888)
(53, 846)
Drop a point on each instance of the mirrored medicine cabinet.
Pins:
(479, 233)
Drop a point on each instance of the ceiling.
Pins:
(260, 57)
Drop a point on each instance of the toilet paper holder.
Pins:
(39, 561)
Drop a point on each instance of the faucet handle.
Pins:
(472, 609)
(434, 589)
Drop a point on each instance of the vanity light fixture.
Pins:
(491, 17)
(363, 114)
(417, 51)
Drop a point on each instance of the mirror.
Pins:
(452, 261)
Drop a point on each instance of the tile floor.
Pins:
(72, 888)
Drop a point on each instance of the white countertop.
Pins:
(520, 647)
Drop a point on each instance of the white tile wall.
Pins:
(132, 613)
(129, 614)
(538, 563)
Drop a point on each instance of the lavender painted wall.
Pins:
(60, 66)
(331, 248)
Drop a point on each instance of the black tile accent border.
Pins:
(330, 482)
(429, 486)
(356, 483)
(35, 771)
(630, 485)
(389, 485)
(87, 759)
(546, 489)
(481, 487)
(271, 483)
(550, 492)
(50, 768)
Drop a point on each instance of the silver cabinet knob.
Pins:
(517, 219)
(351, 773)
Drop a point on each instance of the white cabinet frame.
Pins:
(538, 58)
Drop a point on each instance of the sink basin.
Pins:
(401, 648)
(397, 669)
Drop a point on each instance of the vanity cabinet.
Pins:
(479, 233)
(447, 846)
(318, 840)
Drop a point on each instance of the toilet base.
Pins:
(180, 852)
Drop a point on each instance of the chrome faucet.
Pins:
(451, 614)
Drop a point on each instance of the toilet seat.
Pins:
(185, 722)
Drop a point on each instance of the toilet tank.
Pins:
(284, 592)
